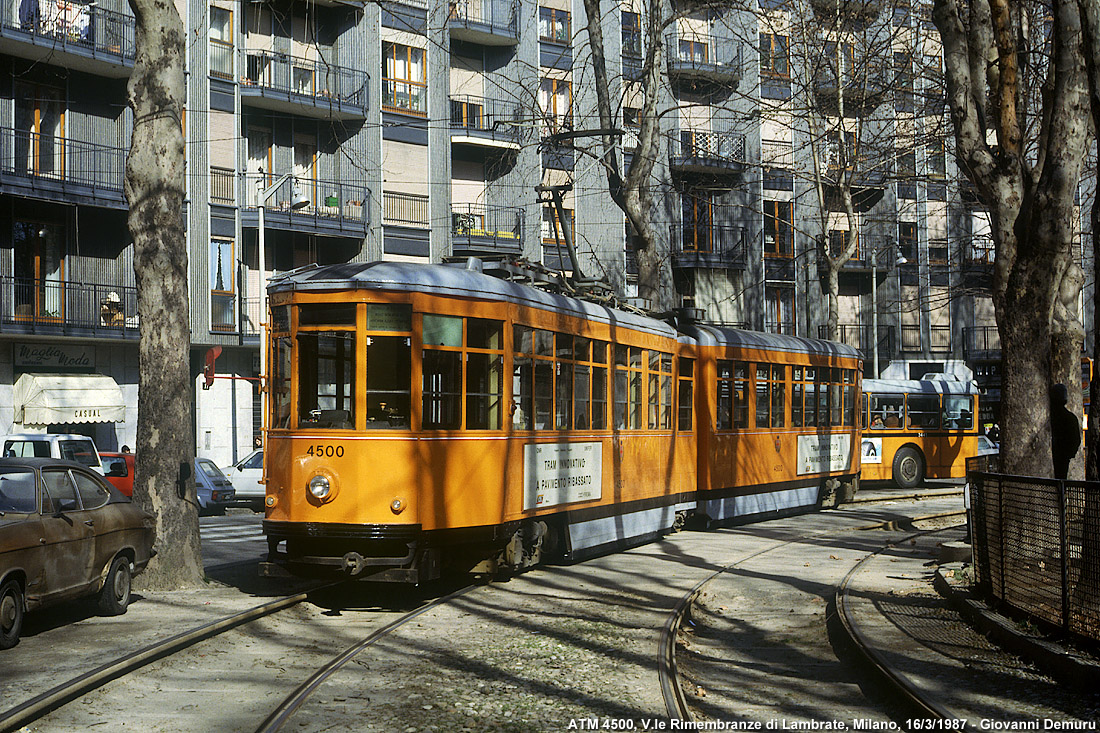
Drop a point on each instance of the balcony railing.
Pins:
(940, 337)
(481, 227)
(56, 307)
(63, 162)
(486, 21)
(715, 246)
(489, 118)
(911, 337)
(329, 203)
(221, 59)
(713, 152)
(858, 336)
(305, 79)
(223, 311)
(701, 56)
(87, 28)
(981, 342)
(223, 186)
(405, 209)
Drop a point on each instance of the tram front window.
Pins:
(389, 375)
(326, 379)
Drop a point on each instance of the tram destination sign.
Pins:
(561, 473)
(822, 453)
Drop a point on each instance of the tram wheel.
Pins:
(908, 469)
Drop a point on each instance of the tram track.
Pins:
(676, 703)
(490, 606)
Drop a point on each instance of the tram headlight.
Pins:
(320, 487)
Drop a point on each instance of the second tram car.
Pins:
(430, 416)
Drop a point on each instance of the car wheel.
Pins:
(11, 613)
(115, 596)
(908, 469)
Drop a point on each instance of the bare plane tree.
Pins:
(155, 192)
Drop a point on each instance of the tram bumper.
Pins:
(387, 553)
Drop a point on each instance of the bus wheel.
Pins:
(908, 468)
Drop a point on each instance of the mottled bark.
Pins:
(632, 191)
(1090, 24)
(155, 191)
(1028, 187)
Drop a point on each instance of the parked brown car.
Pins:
(65, 533)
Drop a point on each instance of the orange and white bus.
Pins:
(917, 428)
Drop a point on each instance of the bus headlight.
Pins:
(320, 487)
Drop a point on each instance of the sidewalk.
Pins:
(925, 647)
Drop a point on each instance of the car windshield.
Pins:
(254, 460)
(17, 491)
(81, 451)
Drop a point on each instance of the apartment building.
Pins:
(327, 131)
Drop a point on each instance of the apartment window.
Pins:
(838, 240)
(39, 268)
(222, 280)
(937, 159)
(221, 42)
(556, 103)
(774, 56)
(840, 156)
(553, 228)
(554, 25)
(632, 34)
(779, 310)
(778, 229)
(39, 130)
(907, 240)
(907, 163)
(404, 79)
(698, 218)
(693, 49)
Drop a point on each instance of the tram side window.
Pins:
(484, 374)
(442, 366)
(599, 385)
(628, 388)
(836, 404)
(660, 391)
(326, 379)
(886, 411)
(685, 394)
(821, 384)
(798, 390)
(923, 411)
(523, 413)
(741, 394)
(810, 398)
(958, 412)
(850, 397)
(763, 415)
(582, 384)
(778, 386)
(724, 412)
(563, 369)
(280, 384)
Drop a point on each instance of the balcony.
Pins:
(484, 22)
(69, 34)
(847, 14)
(483, 124)
(61, 169)
(858, 336)
(866, 187)
(307, 87)
(694, 58)
(708, 247)
(334, 208)
(477, 229)
(981, 342)
(708, 153)
(911, 337)
(860, 96)
(59, 308)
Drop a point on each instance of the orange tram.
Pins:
(426, 418)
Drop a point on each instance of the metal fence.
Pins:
(29, 305)
(1037, 546)
(72, 25)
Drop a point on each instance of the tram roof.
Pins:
(919, 386)
(456, 282)
(718, 336)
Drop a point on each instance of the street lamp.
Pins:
(297, 201)
(901, 260)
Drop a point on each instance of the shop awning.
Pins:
(47, 399)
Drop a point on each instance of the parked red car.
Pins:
(119, 470)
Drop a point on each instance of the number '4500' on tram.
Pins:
(425, 417)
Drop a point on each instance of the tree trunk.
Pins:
(155, 191)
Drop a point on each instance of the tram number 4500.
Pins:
(325, 451)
